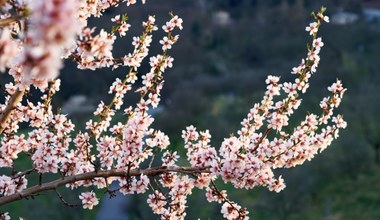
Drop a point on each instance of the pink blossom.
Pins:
(157, 202)
(230, 211)
(317, 43)
(89, 200)
(9, 48)
(177, 22)
(5, 216)
(131, 2)
(53, 26)
(340, 123)
(312, 28)
(166, 43)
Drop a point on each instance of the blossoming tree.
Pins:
(36, 36)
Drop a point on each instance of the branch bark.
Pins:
(101, 173)
(13, 102)
(5, 22)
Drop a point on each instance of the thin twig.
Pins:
(64, 201)
(151, 161)
(24, 173)
(223, 197)
(266, 132)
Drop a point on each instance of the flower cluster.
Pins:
(249, 159)
(5, 216)
(52, 26)
(125, 151)
(89, 200)
(122, 27)
(9, 48)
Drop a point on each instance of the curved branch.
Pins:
(12, 104)
(101, 173)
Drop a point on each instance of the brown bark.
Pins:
(13, 102)
(101, 173)
(7, 21)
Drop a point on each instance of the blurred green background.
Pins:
(225, 51)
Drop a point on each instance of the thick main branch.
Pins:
(12, 104)
(101, 173)
(8, 21)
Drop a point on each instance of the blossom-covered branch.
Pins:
(108, 152)
(154, 171)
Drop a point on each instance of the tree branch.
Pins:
(7, 21)
(26, 172)
(13, 102)
(101, 173)
(64, 201)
